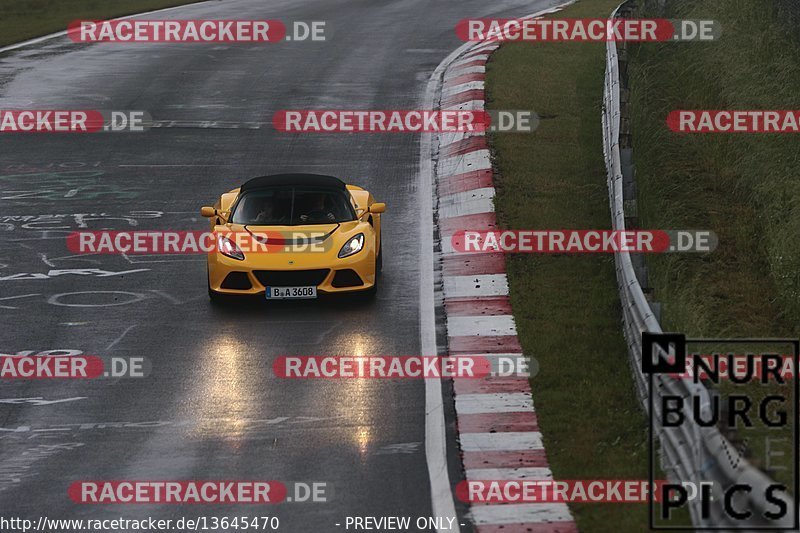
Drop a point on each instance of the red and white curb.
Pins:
(497, 424)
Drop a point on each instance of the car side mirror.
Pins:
(377, 207)
(210, 212)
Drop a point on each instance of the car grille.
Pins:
(291, 278)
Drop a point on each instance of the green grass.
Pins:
(746, 188)
(25, 19)
(567, 307)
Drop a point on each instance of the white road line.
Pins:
(442, 502)
(494, 325)
(15, 297)
(483, 285)
(501, 402)
(526, 472)
(520, 513)
(504, 441)
(467, 203)
(120, 337)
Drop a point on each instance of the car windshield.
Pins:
(292, 206)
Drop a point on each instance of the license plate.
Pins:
(287, 293)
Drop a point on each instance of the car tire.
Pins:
(369, 294)
(214, 296)
(379, 261)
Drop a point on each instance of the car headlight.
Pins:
(353, 246)
(227, 247)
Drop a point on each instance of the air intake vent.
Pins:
(346, 278)
(237, 281)
(291, 278)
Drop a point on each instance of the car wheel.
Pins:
(214, 296)
(379, 261)
(369, 294)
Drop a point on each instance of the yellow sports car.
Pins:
(294, 236)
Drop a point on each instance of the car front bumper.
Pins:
(329, 275)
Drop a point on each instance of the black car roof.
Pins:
(303, 180)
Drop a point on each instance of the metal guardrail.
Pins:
(689, 453)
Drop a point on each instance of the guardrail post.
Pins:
(629, 190)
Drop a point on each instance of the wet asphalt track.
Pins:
(212, 409)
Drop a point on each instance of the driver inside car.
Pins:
(316, 210)
(270, 213)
